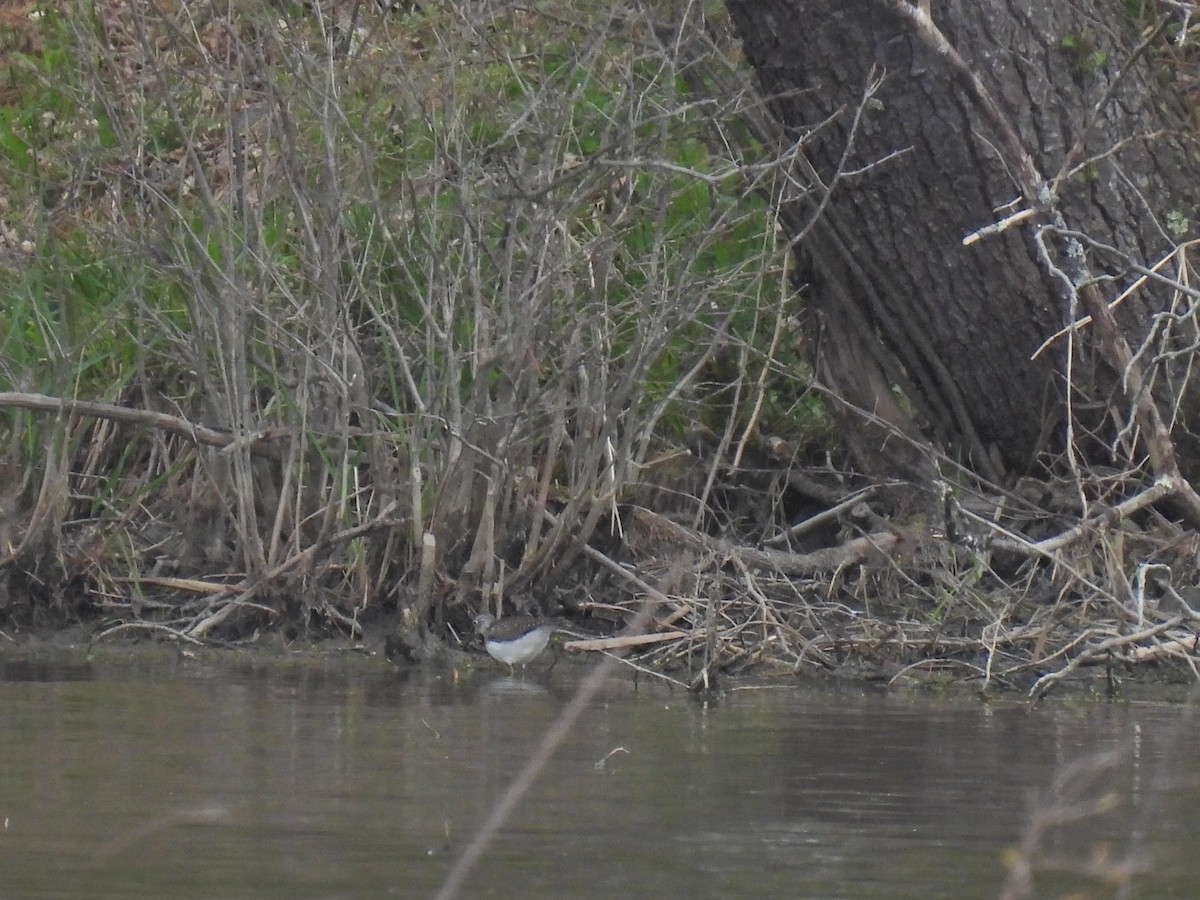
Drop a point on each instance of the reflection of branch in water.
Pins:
(1080, 792)
(205, 815)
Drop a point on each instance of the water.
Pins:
(215, 778)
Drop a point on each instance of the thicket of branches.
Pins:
(392, 308)
(324, 315)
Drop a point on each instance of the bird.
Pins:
(514, 639)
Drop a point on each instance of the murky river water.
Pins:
(209, 779)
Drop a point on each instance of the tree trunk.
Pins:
(911, 328)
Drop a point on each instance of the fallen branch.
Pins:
(1186, 647)
(1091, 654)
(622, 642)
(660, 535)
(200, 434)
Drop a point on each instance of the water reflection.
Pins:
(194, 779)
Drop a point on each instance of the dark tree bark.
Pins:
(911, 327)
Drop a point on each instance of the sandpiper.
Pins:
(514, 639)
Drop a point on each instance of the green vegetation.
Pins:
(1086, 57)
(427, 276)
